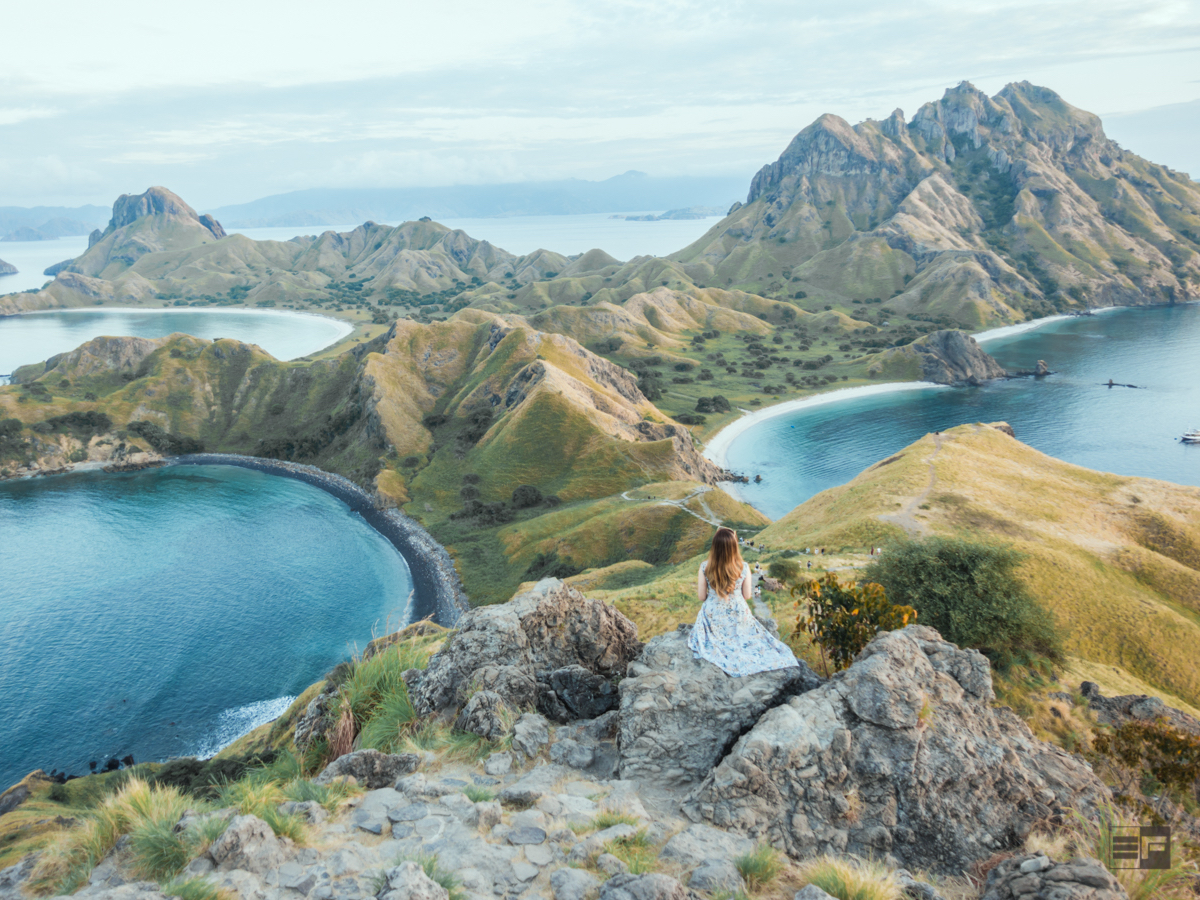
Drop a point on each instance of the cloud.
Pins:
(14, 116)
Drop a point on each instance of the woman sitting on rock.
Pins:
(726, 632)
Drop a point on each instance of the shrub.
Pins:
(1170, 757)
(526, 496)
(411, 462)
(548, 565)
(163, 441)
(970, 592)
(843, 618)
(784, 570)
(79, 423)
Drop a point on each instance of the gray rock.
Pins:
(547, 628)
(530, 787)
(611, 865)
(698, 845)
(644, 887)
(812, 892)
(1116, 711)
(12, 878)
(913, 889)
(525, 871)
(1039, 878)
(409, 812)
(585, 694)
(314, 722)
(531, 734)
(571, 753)
(489, 814)
(679, 715)
(408, 881)
(526, 834)
(573, 884)
(717, 875)
(371, 768)
(310, 810)
(540, 854)
(900, 754)
(141, 890)
(499, 763)
(248, 844)
(484, 715)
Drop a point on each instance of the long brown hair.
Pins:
(724, 562)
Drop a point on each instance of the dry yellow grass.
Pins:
(1115, 558)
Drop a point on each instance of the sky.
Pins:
(229, 101)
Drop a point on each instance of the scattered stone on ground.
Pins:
(1037, 877)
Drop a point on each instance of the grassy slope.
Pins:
(1117, 559)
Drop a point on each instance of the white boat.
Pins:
(1192, 437)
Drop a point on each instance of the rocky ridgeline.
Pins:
(901, 757)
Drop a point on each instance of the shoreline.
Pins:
(437, 589)
(345, 327)
(718, 445)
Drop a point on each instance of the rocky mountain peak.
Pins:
(157, 201)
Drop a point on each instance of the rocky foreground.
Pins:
(900, 758)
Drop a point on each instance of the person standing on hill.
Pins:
(726, 632)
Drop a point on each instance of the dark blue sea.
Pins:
(167, 612)
(1070, 415)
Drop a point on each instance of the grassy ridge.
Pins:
(1113, 557)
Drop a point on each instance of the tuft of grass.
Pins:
(846, 880)
(251, 796)
(159, 851)
(136, 807)
(609, 818)
(477, 794)
(637, 851)
(329, 796)
(759, 867)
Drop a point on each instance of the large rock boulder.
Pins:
(408, 881)
(248, 844)
(680, 715)
(901, 756)
(370, 768)
(1036, 877)
(513, 648)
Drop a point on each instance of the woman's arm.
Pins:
(747, 585)
(701, 587)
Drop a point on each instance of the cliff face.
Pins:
(982, 209)
(7, 268)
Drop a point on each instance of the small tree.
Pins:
(787, 570)
(525, 496)
(971, 593)
(843, 618)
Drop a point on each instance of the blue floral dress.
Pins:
(727, 635)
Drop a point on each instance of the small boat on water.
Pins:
(1192, 437)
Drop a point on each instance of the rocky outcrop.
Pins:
(1117, 711)
(954, 357)
(408, 881)
(7, 268)
(680, 715)
(213, 225)
(901, 756)
(514, 649)
(51, 271)
(1037, 877)
(98, 357)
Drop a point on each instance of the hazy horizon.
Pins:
(246, 102)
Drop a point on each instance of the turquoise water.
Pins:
(166, 612)
(33, 337)
(1069, 415)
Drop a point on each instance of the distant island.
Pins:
(689, 212)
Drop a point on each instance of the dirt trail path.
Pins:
(906, 518)
(708, 517)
